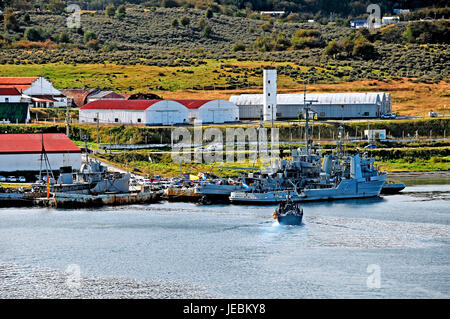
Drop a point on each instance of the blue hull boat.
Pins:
(288, 213)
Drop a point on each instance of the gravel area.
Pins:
(18, 282)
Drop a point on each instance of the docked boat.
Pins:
(344, 178)
(392, 188)
(288, 213)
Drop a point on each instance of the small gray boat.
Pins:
(288, 213)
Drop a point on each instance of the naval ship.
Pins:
(342, 176)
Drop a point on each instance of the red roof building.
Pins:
(23, 152)
(137, 105)
(32, 143)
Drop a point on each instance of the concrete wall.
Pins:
(32, 162)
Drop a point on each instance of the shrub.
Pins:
(209, 13)
(264, 44)
(10, 20)
(110, 10)
(174, 23)
(88, 36)
(32, 34)
(332, 48)
(121, 11)
(207, 31)
(184, 21)
(93, 44)
(239, 46)
(63, 37)
(201, 23)
(307, 39)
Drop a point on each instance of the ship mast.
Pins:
(307, 108)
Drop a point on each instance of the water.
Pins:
(240, 251)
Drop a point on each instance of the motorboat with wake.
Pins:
(288, 213)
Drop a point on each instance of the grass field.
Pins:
(188, 82)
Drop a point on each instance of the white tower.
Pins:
(270, 95)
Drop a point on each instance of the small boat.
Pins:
(288, 213)
(392, 188)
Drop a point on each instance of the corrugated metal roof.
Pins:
(192, 104)
(32, 143)
(323, 98)
(17, 80)
(9, 91)
(138, 105)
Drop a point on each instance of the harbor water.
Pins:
(396, 246)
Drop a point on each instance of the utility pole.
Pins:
(98, 129)
(67, 120)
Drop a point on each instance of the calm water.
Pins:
(239, 251)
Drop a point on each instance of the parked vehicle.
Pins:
(22, 179)
(371, 146)
(388, 116)
(12, 179)
(2, 179)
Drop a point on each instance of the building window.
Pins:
(268, 94)
(116, 120)
(322, 114)
(139, 120)
(95, 119)
(366, 113)
(6, 99)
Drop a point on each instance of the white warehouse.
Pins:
(327, 105)
(211, 111)
(146, 112)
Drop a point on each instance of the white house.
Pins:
(146, 112)
(38, 90)
(211, 111)
(23, 152)
(10, 95)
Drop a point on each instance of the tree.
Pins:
(207, 31)
(32, 34)
(282, 43)
(184, 21)
(201, 23)
(174, 23)
(332, 48)
(88, 36)
(110, 10)
(10, 20)
(209, 13)
(363, 48)
(121, 11)
(63, 37)
(26, 18)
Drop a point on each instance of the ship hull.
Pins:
(290, 219)
(347, 189)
